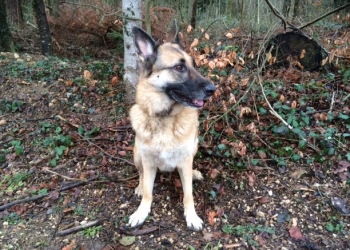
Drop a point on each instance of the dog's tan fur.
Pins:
(166, 131)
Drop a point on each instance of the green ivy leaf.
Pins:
(127, 240)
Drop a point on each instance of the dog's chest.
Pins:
(168, 158)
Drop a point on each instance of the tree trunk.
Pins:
(147, 16)
(297, 9)
(132, 13)
(286, 8)
(194, 14)
(15, 12)
(54, 7)
(6, 40)
(43, 25)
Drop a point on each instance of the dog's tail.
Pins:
(196, 175)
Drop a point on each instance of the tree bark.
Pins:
(147, 16)
(43, 25)
(297, 9)
(194, 13)
(132, 13)
(15, 12)
(54, 7)
(286, 8)
(6, 40)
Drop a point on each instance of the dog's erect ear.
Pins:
(145, 44)
(173, 36)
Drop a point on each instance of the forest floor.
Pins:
(66, 162)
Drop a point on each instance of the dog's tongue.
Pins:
(198, 102)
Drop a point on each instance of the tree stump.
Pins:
(294, 49)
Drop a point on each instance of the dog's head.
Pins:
(171, 70)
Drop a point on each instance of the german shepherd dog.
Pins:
(165, 118)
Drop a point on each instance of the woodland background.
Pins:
(274, 139)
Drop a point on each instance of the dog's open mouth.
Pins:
(186, 101)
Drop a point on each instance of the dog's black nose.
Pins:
(210, 89)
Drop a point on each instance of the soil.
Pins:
(255, 208)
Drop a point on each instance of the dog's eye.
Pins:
(180, 67)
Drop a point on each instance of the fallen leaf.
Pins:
(122, 153)
(262, 154)
(220, 212)
(229, 35)
(298, 173)
(251, 179)
(213, 173)
(261, 240)
(3, 122)
(295, 233)
(71, 246)
(206, 36)
(339, 204)
(189, 28)
(211, 215)
(263, 200)
(177, 183)
(127, 240)
(114, 80)
(194, 43)
(87, 75)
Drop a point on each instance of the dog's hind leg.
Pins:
(149, 174)
(192, 220)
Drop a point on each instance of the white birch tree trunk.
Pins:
(132, 16)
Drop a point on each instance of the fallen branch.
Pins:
(103, 151)
(78, 228)
(38, 197)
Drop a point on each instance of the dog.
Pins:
(165, 119)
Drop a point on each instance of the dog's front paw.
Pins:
(138, 217)
(139, 190)
(193, 221)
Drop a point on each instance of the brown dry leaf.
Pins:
(3, 122)
(295, 233)
(293, 105)
(229, 131)
(244, 81)
(324, 61)
(263, 200)
(261, 240)
(251, 55)
(71, 246)
(232, 99)
(177, 183)
(229, 35)
(302, 54)
(262, 154)
(67, 210)
(220, 212)
(206, 35)
(211, 64)
(211, 215)
(69, 83)
(194, 43)
(122, 153)
(87, 75)
(343, 167)
(251, 179)
(244, 110)
(114, 80)
(213, 173)
(298, 173)
(189, 29)
(282, 98)
(252, 128)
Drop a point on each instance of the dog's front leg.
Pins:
(192, 219)
(149, 174)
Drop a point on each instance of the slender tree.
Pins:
(15, 12)
(44, 29)
(6, 40)
(132, 13)
(194, 13)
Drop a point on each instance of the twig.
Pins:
(78, 228)
(103, 151)
(323, 16)
(37, 197)
(46, 169)
(332, 103)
